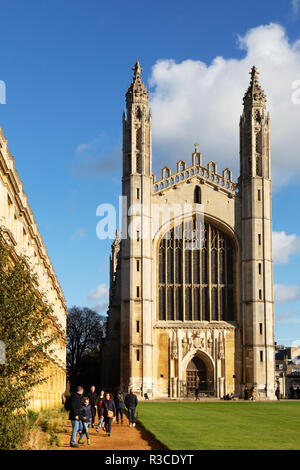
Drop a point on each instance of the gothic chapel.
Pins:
(191, 304)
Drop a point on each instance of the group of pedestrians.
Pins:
(83, 408)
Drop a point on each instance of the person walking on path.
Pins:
(108, 410)
(120, 405)
(252, 394)
(98, 403)
(246, 393)
(93, 397)
(75, 414)
(131, 402)
(277, 393)
(197, 394)
(86, 416)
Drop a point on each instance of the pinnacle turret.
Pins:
(255, 94)
(137, 122)
(137, 91)
(137, 71)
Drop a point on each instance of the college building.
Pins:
(191, 277)
(19, 230)
(287, 371)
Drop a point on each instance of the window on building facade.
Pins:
(197, 195)
(261, 353)
(196, 274)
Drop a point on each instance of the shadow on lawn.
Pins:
(150, 438)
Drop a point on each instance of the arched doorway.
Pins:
(197, 377)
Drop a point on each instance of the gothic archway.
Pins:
(198, 376)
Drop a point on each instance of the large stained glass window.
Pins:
(196, 273)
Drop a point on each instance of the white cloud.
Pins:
(194, 101)
(101, 292)
(285, 293)
(100, 308)
(284, 246)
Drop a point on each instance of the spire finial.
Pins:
(254, 74)
(137, 70)
(196, 147)
(254, 93)
(137, 90)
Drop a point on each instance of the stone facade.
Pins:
(191, 284)
(20, 231)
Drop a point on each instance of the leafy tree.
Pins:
(24, 325)
(85, 333)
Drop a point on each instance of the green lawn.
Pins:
(223, 425)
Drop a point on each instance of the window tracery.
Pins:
(196, 273)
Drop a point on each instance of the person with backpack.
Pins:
(108, 410)
(120, 405)
(74, 405)
(131, 402)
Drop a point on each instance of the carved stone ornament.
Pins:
(221, 351)
(199, 342)
(184, 347)
(174, 349)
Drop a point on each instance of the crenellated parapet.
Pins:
(205, 174)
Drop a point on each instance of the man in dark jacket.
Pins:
(75, 413)
(93, 396)
(120, 405)
(131, 402)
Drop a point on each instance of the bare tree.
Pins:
(85, 333)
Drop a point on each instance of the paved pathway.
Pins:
(122, 438)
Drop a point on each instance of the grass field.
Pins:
(223, 425)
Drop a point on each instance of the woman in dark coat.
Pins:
(108, 410)
(98, 403)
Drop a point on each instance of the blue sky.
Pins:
(67, 66)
